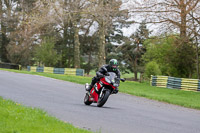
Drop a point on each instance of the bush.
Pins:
(46, 52)
(152, 68)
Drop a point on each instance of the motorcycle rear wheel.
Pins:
(104, 97)
(86, 99)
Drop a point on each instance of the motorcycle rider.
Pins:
(111, 67)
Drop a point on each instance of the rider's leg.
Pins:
(94, 80)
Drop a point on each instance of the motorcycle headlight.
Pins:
(116, 85)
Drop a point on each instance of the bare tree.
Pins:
(171, 13)
(24, 28)
(106, 13)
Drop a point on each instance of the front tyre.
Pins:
(104, 97)
(86, 99)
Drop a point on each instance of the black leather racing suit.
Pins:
(101, 72)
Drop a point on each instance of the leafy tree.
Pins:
(89, 51)
(173, 58)
(184, 60)
(65, 46)
(195, 37)
(133, 49)
(46, 53)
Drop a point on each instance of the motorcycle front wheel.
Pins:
(86, 99)
(103, 98)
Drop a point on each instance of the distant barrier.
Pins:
(175, 83)
(10, 66)
(67, 71)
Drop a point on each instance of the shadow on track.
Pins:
(95, 106)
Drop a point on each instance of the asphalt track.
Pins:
(121, 114)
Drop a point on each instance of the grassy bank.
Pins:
(173, 96)
(15, 118)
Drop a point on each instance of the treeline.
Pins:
(59, 32)
(88, 33)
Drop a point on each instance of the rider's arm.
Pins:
(101, 71)
(118, 73)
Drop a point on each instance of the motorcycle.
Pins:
(102, 89)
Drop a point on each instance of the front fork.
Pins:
(102, 90)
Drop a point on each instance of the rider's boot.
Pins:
(94, 80)
(115, 91)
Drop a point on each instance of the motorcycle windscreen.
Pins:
(112, 78)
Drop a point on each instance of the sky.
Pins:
(132, 28)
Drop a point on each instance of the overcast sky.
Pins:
(130, 30)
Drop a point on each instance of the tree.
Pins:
(167, 53)
(16, 37)
(174, 16)
(171, 13)
(195, 36)
(6, 13)
(133, 49)
(89, 50)
(46, 52)
(65, 46)
(71, 12)
(106, 13)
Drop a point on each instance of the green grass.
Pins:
(16, 118)
(179, 97)
(188, 99)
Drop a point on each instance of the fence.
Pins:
(175, 83)
(68, 71)
(10, 66)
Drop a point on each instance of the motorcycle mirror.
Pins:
(123, 80)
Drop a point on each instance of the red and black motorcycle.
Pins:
(102, 90)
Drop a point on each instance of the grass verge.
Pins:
(15, 118)
(183, 98)
(179, 97)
